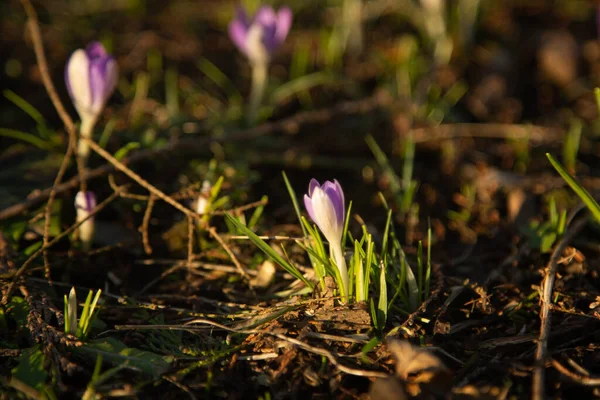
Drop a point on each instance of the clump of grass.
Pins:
(372, 271)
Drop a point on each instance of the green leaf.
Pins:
(30, 369)
(25, 106)
(294, 198)
(213, 73)
(583, 194)
(255, 217)
(115, 352)
(18, 310)
(26, 137)
(382, 307)
(411, 282)
(370, 345)
(264, 246)
(302, 84)
(123, 151)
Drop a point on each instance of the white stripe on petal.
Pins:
(255, 48)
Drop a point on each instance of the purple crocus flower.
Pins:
(91, 77)
(325, 205)
(258, 37)
(85, 202)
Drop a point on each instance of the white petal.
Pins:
(79, 80)
(325, 216)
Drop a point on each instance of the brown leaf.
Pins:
(420, 369)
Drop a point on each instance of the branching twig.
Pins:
(138, 179)
(581, 379)
(38, 46)
(545, 311)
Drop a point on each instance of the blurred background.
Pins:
(416, 64)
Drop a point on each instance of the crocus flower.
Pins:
(85, 202)
(91, 77)
(258, 38)
(326, 207)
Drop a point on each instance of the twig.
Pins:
(545, 312)
(535, 133)
(138, 179)
(241, 270)
(38, 46)
(190, 241)
(194, 264)
(145, 223)
(581, 379)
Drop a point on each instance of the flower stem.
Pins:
(86, 232)
(257, 91)
(86, 130)
(340, 262)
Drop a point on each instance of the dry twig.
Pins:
(581, 379)
(547, 287)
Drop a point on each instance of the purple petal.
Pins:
(312, 185)
(90, 200)
(238, 32)
(95, 50)
(98, 82)
(309, 207)
(337, 201)
(112, 77)
(340, 191)
(284, 24)
(265, 16)
(85, 201)
(267, 19)
(67, 80)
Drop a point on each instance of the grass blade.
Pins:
(583, 194)
(264, 246)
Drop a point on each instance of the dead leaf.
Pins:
(420, 369)
(265, 276)
(387, 389)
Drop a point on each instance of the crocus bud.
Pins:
(202, 201)
(85, 202)
(258, 37)
(326, 207)
(91, 77)
(71, 313)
